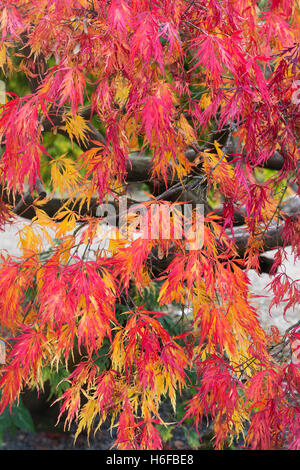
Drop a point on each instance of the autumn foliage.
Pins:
(156, 79)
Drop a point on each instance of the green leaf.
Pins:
(5, 420)
(18, 418)
(102, 358)
(166, 432)
(180, 411)
(22, 419)
(58, 384)
(193, 439)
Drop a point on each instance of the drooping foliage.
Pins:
(154, 77)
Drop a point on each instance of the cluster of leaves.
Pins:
(17, 418)
(157, 75)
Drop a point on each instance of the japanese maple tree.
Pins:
(198, 100)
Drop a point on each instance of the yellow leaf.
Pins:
(131, 127)
(87, 416)
(29, 241)
(2, 56)
(42, 218)
(76, 126)
(186, 129)
(65, 176)
(122, 87)
(205, 101)
(67, 224)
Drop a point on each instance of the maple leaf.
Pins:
(65, 177)
(72, 88)
(145, 42)
(76, 127)
(126, 437)
(218, 386)
(25, 362)
(11, 21)
(120, 17)
(205, 92)
(84, 373)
